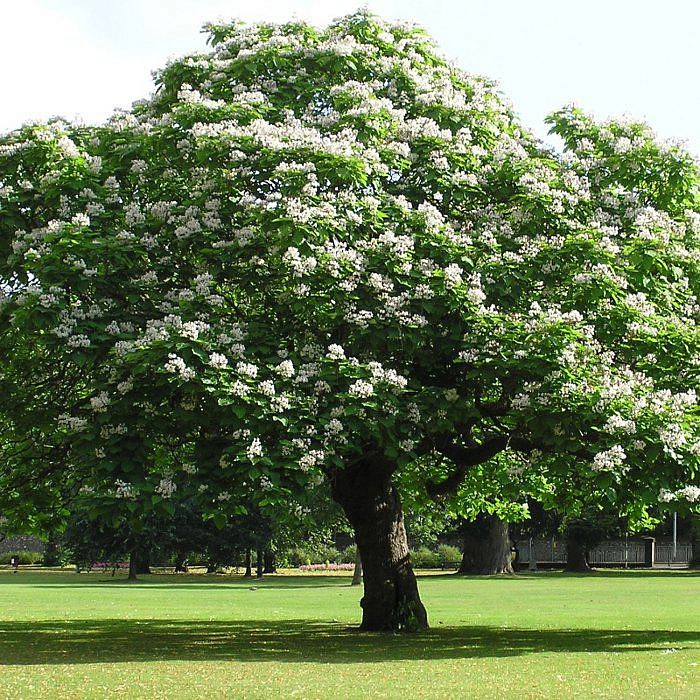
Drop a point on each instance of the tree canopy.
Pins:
(320, 254)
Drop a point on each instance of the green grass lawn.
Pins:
(614, 634)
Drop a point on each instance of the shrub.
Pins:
(347, 556)
(450, 557)
(313, 554)
(294, 557)
(423, 558)
(24, 557)
(325, 554)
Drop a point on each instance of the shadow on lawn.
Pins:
(110, 641)
(69, 579)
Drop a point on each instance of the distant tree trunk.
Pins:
(260, 566)
(695, 541)
(51, 550)
(143, 560)
(357, 572)
(133, 565)
(486, 547)
(139, 561)
(181, 563)
(370, 501)
(248, 564)
(576, 555)
(269, 561)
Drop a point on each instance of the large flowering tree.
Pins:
(320, 254)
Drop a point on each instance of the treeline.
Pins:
(256, 545)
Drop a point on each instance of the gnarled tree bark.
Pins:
(367, 495)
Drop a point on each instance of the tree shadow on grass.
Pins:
(68, 579)
(111, 641)
(181, 582)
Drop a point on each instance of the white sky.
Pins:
(83, 58)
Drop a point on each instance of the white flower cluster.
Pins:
(79, 341)
(247, 369)
(267, 387)
(177, 365)
(609, 460)
(687, 493)
(453, 275)
(673, 435)
(616, 423)
(280, 404)
(166, 487)
(123, 489)
(335, 352)
(451, 395)
(333, 427)
(218, 361)
(100, 402)
(300, 265)
(238, 388)
(254, 450)
(361, 389)
(388, 376)
(73, 423)
(285, 369)
(311, 459)
(192, 329)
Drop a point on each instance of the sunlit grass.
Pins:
(548, 635)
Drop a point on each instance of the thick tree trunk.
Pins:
(371, 504)
(248, 564)
(260, 566)
(357, 572)
(576, 556)
(269, 561)
(486, 547)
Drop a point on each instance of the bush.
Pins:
(423, 558)
(294, 557)
(450, 557)
(325, 554)
(313, 554)
(24, 557)
(347, 556)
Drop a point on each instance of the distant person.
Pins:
(14, 563)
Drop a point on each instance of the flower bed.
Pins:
(109, 565)
(326, 567)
